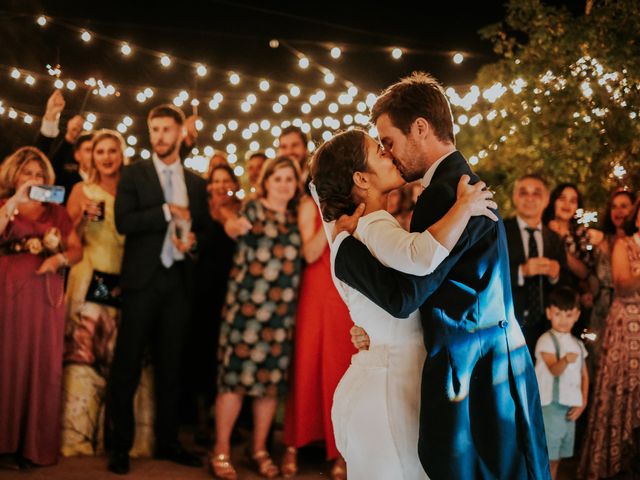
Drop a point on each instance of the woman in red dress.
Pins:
(36, 241)
(322, 349)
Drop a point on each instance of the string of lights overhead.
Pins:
(292, 104)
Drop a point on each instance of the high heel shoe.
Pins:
(221, 468)
(264, 464)
(339, 470)
(289, 466)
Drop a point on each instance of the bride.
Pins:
(376, 404)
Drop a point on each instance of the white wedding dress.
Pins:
(376, 406)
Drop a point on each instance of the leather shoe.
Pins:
(177, 454)
(119, 463)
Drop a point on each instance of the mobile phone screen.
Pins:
(47, 193)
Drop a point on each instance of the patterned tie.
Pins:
(167, 247)
(535, 302)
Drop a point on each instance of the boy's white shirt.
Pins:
(570, 387)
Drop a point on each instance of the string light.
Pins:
(303, 62)
(336, 52)
(125, 49)
(264, 85)
(85, 36)
(29, 80)
(458, 58)
(58, 84)
(165, 61)
(396, 53)
(201, 70)
(329, 78)
(15, 73)
(294, 90)
(41, 20)
(234, 78)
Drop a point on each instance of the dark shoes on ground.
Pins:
(119, 463)
(177, 454)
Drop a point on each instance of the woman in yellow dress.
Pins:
(92, 309)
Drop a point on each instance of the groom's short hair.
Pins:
(418, 95)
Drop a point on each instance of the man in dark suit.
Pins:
(537, 257)
(480, 409)
(156, 202)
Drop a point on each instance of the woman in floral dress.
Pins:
(257, 329)
(612, 443)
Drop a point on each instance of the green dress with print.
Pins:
(258, 318)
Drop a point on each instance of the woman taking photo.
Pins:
(37, 241)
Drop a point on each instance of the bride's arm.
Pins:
(421, 253)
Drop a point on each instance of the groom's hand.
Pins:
(359, 338)
(348, 223)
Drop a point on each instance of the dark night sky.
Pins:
(235, 36)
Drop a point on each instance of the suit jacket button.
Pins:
(503, 323)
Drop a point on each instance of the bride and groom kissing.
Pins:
(434, 305)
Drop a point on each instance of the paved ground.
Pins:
(312, 466)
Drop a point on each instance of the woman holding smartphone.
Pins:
(92, 307)
(37, 241)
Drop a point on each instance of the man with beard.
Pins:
(293, 144)
(160, 207)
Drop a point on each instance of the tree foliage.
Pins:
(568, 99)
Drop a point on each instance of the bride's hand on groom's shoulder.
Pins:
(476, 198)
(348, 223)
(359, 338)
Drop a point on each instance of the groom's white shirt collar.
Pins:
(426, 180)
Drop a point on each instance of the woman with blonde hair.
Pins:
(92, 305)
(257, 326)
(37, 241)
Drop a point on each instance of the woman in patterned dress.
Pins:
(612, 444)
(257, 329)
(616, 214)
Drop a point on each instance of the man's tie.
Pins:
(167, 247)
(535, 303)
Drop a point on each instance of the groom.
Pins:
(480, 411)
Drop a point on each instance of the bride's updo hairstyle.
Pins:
(332, 169)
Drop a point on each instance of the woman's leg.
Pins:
(264, 409)
(228, 407)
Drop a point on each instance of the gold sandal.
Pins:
(265, 465)
(339, 470)
(289, 465)
(221, 467)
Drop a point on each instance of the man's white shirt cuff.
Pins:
(49, 128)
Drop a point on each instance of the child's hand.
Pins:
(574, 413)
(571, 357)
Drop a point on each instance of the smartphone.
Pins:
(47, 193)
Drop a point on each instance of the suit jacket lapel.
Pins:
(514, 239)
(191, 188)
(155, 186)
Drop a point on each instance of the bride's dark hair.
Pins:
(332, 169)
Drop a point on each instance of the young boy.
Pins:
(562, 375)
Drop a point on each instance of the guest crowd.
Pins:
(154, 295)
